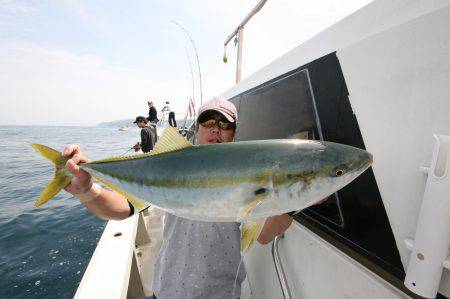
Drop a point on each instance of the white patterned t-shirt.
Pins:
(198, 260)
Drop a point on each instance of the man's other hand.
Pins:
(136, 147)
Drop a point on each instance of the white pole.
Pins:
(246, 19)
(431, 244)
(239, 54)
(240, 32)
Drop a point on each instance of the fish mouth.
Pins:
(365, 163)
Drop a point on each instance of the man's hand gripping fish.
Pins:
(244, 181)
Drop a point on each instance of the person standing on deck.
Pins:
(197, 259)
(152, 113)
(148, 135)
(172, 120)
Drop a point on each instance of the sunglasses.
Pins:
(224, 125)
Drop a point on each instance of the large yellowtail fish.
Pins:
(237, 181)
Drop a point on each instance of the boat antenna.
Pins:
(196, 55)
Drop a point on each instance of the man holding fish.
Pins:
(206, 190)
(206, 263)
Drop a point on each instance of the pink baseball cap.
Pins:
(224, 107)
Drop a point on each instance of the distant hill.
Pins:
(129, 122)
(117, 123)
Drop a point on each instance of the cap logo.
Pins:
(231, 113)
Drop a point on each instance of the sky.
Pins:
(85, 62)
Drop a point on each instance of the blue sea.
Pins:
(44, 251)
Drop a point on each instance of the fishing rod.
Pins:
(193, 90)
(196, 55)
(126, 152)
(190, 68)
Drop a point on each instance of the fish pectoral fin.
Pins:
(259, 201)
(170, 141)
(245, 211)
(137, 203)
(57, 184)
(250, 231)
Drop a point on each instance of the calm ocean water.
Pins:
(44, 251)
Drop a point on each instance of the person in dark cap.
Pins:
(148, 135)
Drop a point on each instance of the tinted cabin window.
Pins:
(285, 108)
(275, 109)
(312, 102)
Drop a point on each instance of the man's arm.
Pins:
(108, 205)
(274, 226)
(146, 141)
(144, 138)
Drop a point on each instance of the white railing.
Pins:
(108, 273)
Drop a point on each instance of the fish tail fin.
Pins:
(62, 177)
(50, 154)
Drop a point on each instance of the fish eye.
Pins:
(339, 171)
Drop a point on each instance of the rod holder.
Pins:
(430, 248)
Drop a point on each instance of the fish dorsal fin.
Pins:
(170, 141)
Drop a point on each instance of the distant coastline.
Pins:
(129, 122)
(117, 123)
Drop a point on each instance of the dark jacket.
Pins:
(152, 114)
(148, 138)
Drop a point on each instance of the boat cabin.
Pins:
(377, 80)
